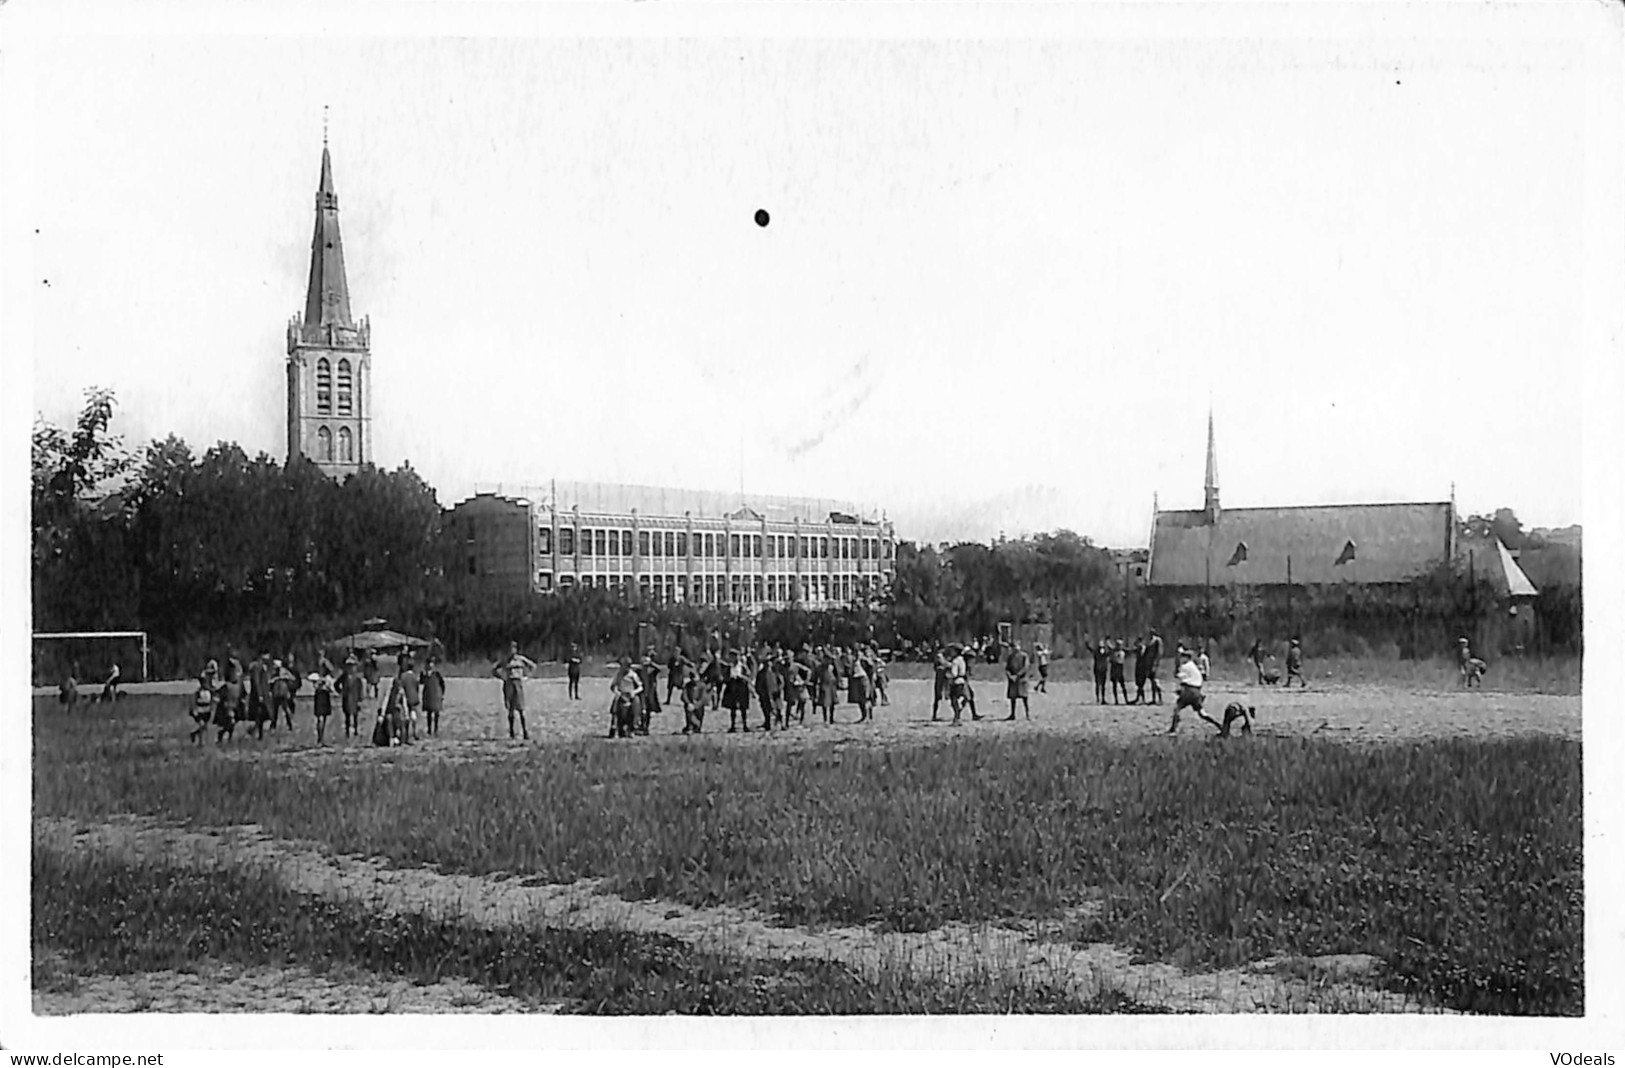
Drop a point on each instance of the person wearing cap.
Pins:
(959, 683)
(1294, 663)
(511, 670)
(1102, 658)
(1015, 680)
(1041, 658)
(1190, 680)
(1464, 658)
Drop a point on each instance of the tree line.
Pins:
(223, 549)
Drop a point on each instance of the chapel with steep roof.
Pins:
(329, 355)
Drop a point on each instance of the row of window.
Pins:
(708, 546)
(723, 589)
(324, 388)
(325, 441)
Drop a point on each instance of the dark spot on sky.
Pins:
(761, 217)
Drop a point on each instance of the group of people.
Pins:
(264, 691)
(781, 683)
(68, 689)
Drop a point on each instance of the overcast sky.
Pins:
(1003, 277)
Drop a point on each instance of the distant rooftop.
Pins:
(619, 498)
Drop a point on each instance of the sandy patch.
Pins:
(955, 951)
(214, 986)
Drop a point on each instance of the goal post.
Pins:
(75, 639)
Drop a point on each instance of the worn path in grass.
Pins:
(220, 987)
(953, 952)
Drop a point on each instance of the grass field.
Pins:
(1437, 834)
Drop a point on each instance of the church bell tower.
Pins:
(329, 355)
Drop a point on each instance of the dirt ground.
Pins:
(474, 722)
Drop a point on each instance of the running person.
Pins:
(1041, 657)
(511, 670)
(1190, 680)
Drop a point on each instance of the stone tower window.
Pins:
(346, 446)
(324, 387)
(324, 444)
(345, 405)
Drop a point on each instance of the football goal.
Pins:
(95, 651)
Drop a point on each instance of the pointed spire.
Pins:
(1211, 501)
(327, 300)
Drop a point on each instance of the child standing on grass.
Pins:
(1102, 660)
(1041, 657)
(511, 670)
(351, 686)
(1190, 680)
(625, 700)
(322, 699)
(281, 693)
(1119, 658)
(406, 678)
(1015, 675)
(208, 686)
(434, 695)
(572, 671)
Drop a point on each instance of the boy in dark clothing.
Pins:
(1294, 664)
(1140, 672)
(434, 695)
(695, 695)
(649, 674)
(1119, 658)
(1153, 657)
(1102, 658)
(281, 693)
(1256, 655)
(351, 686)
(769, 694)
(259, 693)
(573, 672)
(675, 674)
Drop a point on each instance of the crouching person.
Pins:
(1190, 680)
(696, 695)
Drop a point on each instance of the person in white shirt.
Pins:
(1190, 680)
(958, 684)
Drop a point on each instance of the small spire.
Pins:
(324, 125)
(1211, 486)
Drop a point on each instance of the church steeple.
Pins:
(1211, 497)
(327, 300)
(329, 354)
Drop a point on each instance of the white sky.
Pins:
(1002, 279)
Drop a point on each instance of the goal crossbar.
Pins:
(141, 634)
